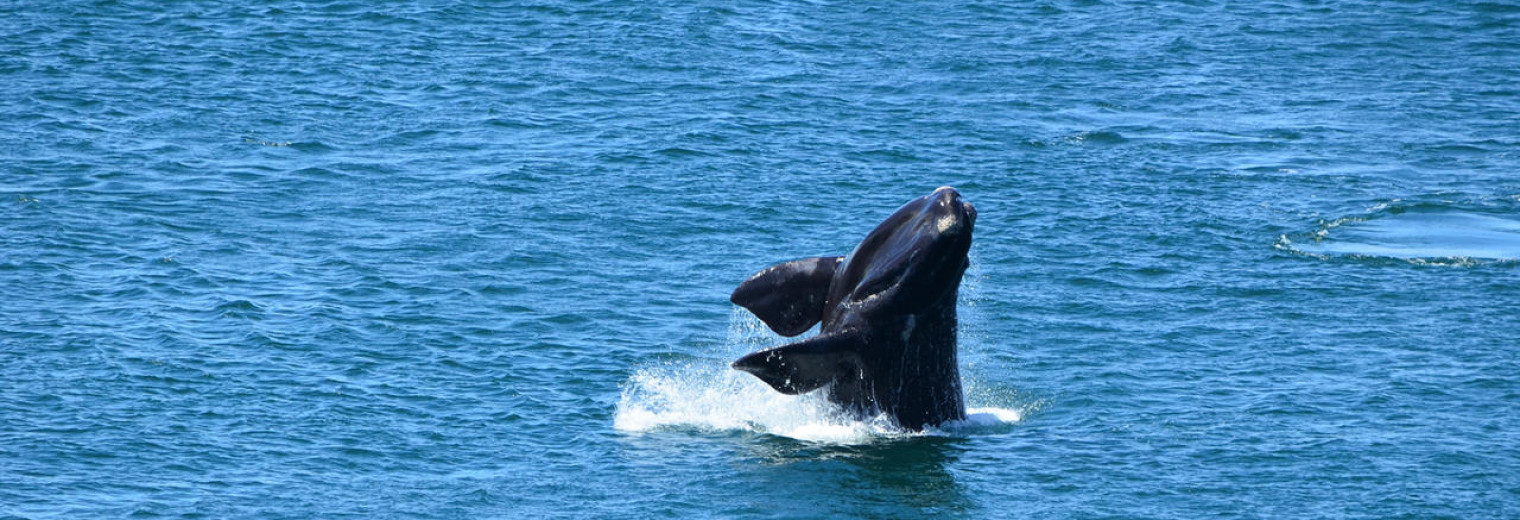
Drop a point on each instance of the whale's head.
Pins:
(915, 258)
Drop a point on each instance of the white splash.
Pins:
(707, 395)
(984, 418)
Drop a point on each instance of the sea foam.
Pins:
(707, 395)
(710, 396)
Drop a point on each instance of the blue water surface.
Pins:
(338, 259)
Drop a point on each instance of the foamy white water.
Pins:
(707, 395)
(710, 396)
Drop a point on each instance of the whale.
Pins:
(886, 341)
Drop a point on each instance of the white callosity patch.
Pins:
(947, 222)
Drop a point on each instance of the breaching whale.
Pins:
(886, 340)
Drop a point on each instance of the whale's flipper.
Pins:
(806, 365)
(789, 297)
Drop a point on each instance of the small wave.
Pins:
(1097, 137)
(1417, 232)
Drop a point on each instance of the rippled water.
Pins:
(327, 259)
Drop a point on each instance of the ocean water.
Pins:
(332, 259)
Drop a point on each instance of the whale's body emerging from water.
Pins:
(886, 343)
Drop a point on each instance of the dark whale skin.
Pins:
(886, 314)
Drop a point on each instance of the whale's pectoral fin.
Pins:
(789, 297)
(806, 365)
